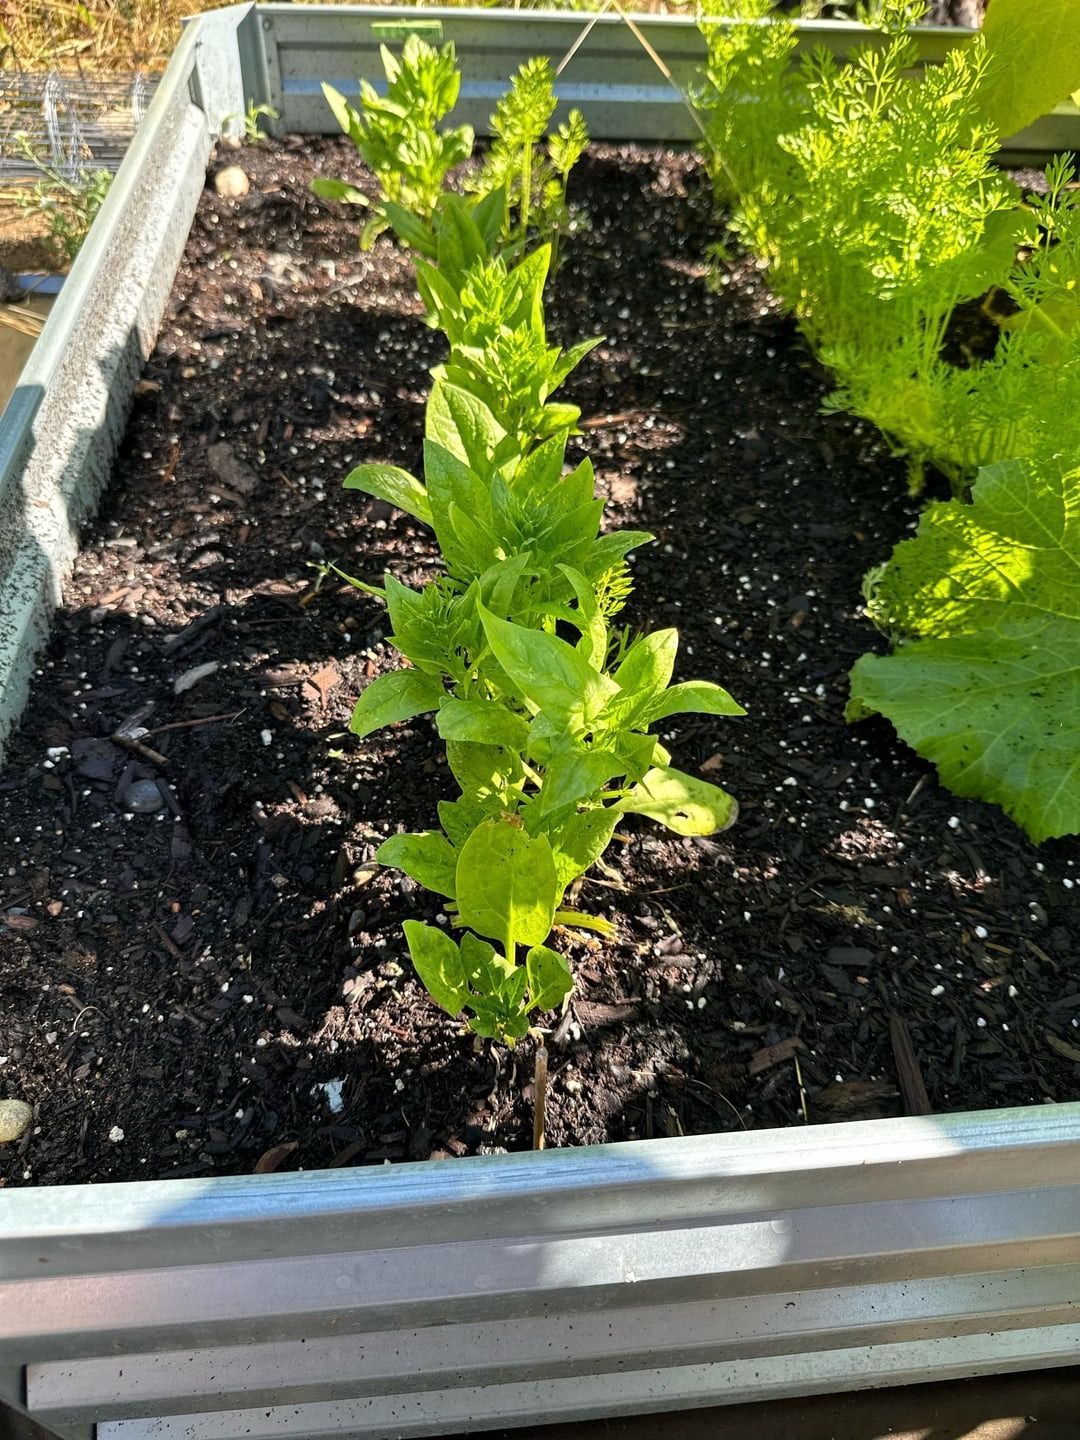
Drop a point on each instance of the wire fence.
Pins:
(70, 121)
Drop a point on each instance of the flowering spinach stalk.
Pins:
(478, 284)
(521, 186)
(534, 176)
(398, 134)
(492, 314)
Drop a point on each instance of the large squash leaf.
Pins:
(985, 680)
(1034, 53)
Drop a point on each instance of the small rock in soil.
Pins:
(191, 678)
(15, 1117)
(144, 797)
(229, 470)
(231, 183)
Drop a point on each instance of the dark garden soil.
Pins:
(201, 969)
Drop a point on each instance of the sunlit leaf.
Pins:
(394, 485)
(1034, 48)
(549, 978)
(401, 695)
(681, 802)
(426, 857)
(437, 960)
(506, 883)
(985, 681)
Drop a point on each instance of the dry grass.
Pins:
(134, 34)
(100, 34)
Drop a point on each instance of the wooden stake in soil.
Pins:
(802, 1089)
(908, 1070)
(540, 1079)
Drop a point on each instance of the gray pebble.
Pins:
(144, 797)
(15, 1117)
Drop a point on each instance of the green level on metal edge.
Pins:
(399, 29)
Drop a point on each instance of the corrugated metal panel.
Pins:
(641, 1392)
(553, 1346)
(414, 1300)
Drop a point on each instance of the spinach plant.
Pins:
(252, 118)
(493, 316)
(547, 737)
(521, 184)
(488, 299)
(491, 309)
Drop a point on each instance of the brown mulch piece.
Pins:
(908, 1069)
(218, 974)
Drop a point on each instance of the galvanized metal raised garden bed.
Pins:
(508, 1290)
(498, 1291)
